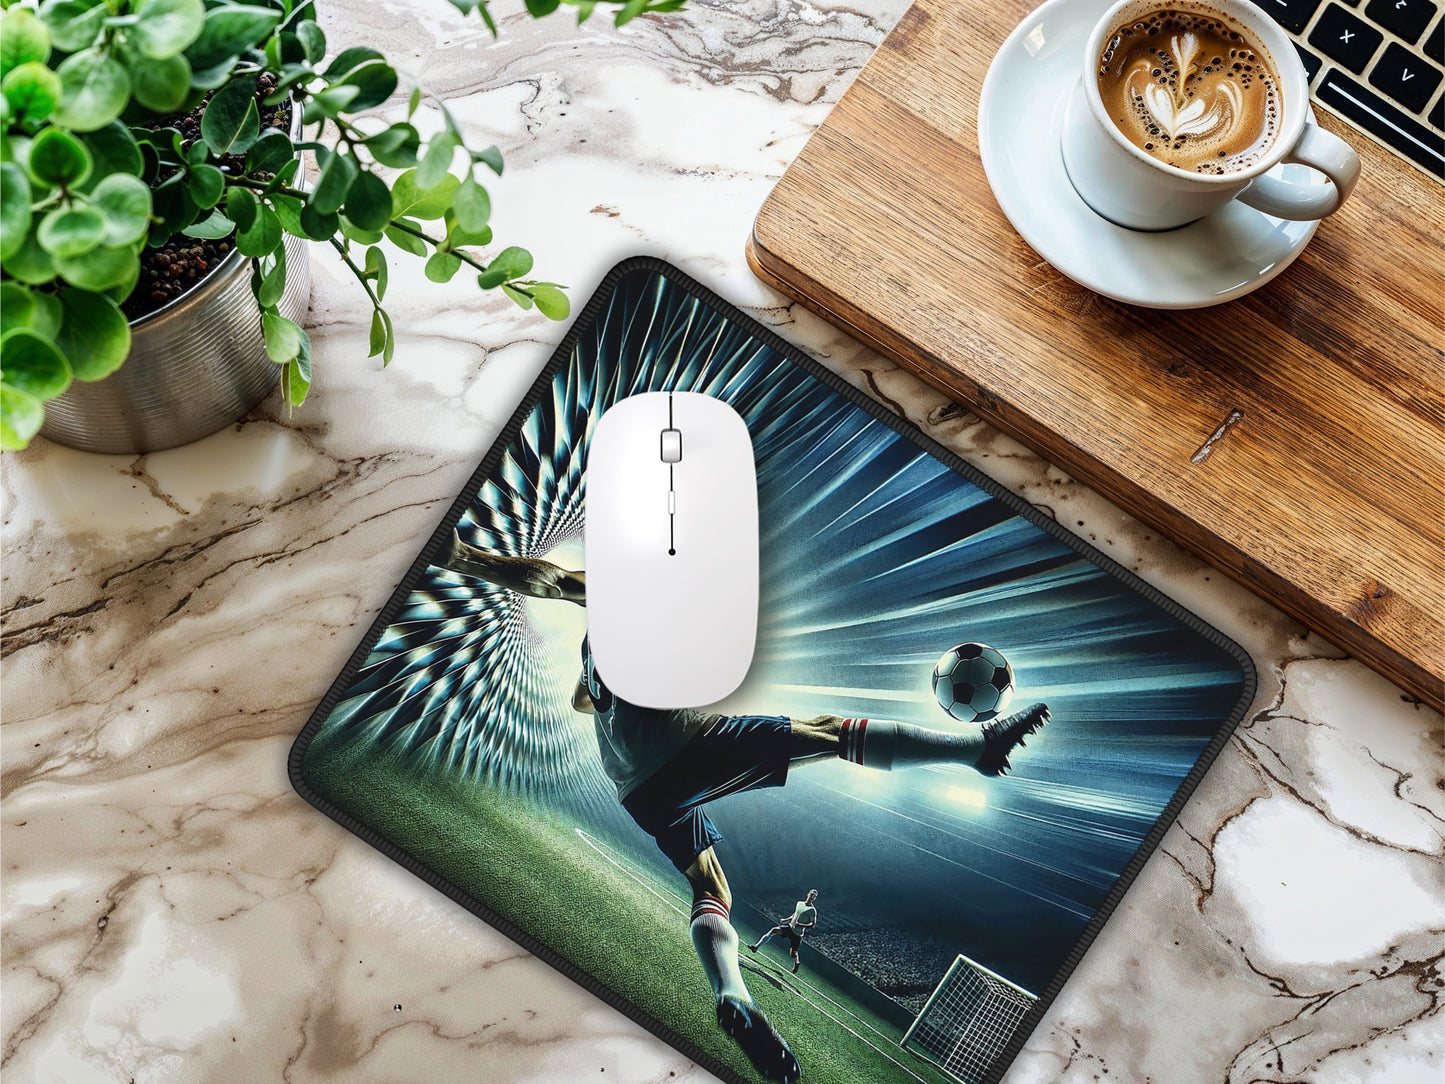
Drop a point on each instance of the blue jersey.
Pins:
(634, 742)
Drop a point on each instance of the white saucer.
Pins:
(1222, 256)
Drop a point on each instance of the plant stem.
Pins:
(458, 253)
(358, 272)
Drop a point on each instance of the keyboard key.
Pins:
(1312, 63)
(1293, 15)
(1405, 77)
(1380, 118)
(1435, 43)
(1437, 115)
(1404, 17)
(1346, 38)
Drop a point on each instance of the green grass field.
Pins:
(613, 919)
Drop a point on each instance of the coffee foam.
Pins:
(1191, 90)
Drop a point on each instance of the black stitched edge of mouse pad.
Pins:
(450, 741)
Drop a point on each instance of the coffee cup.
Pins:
(1138, 188)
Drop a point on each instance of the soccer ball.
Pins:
(973, 682)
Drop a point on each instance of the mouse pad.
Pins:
(962, 733)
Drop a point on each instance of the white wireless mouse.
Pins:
(672, 549)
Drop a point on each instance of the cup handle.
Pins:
(1327, 153)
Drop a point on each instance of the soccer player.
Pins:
(803, 919)
(667, 765)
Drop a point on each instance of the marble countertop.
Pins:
(174, 912)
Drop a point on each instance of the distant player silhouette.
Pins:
(792, 928)
(667, 765)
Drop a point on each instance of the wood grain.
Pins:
(1324, 490)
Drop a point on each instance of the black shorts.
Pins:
(735, 753)
(795, 937)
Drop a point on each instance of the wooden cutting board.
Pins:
(1294, 438)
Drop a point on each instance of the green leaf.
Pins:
(329, 103)
(407, 242)
(383, 336)
(395, 146)
(410, 198)
(378, 334)
(161, 85)
(522, 299)
(29, 262)
(283, 337)
(229, 30)
(211, 228)
(94, 334)
(338, 171)
(376, 269)
(14, 209)
(413, 102)
(58, 159)
(114, 150)
(288, 210)
(24, 39)
(21, 416)
(350, 59)
(460, 238)
(491, 158)
(71, 231)
(319, 225)
(269, 153)
(584, 10)
(436, 161)
(32, 91)
(296, 374)
(206, 185)
(74, 24)
(22, 307)
(551, 302)
(273, 278)
(629, 11)
(442, 266)
(100, 268)
(33, 364)
(165, 27)
(472, 205)
(352, 232)
(241, 207)
(125, 201)
(231, 123)
(95, 87)
(510, 263)
(313, 40)
(375, 83)
(283, 175)
(368, 202)
(263, 236)
(539, 8)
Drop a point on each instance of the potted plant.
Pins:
(153, 207)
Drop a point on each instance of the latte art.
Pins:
(1191, 90)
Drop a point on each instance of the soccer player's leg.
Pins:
(883, 744)
(761, 941)
(716, 943)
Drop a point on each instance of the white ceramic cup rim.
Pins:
(1294, 98)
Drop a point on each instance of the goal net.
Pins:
(968, 1020)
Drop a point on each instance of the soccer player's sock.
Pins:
(716, 943)
(761, 941)
(879, 743)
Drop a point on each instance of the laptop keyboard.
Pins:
(1378, 64)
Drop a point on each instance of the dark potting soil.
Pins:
(182, 262)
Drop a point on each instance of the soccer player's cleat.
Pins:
(753, 948)
(796, 965)
(764, 1047)
(1000, 736)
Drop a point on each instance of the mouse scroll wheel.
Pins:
(671, 445)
